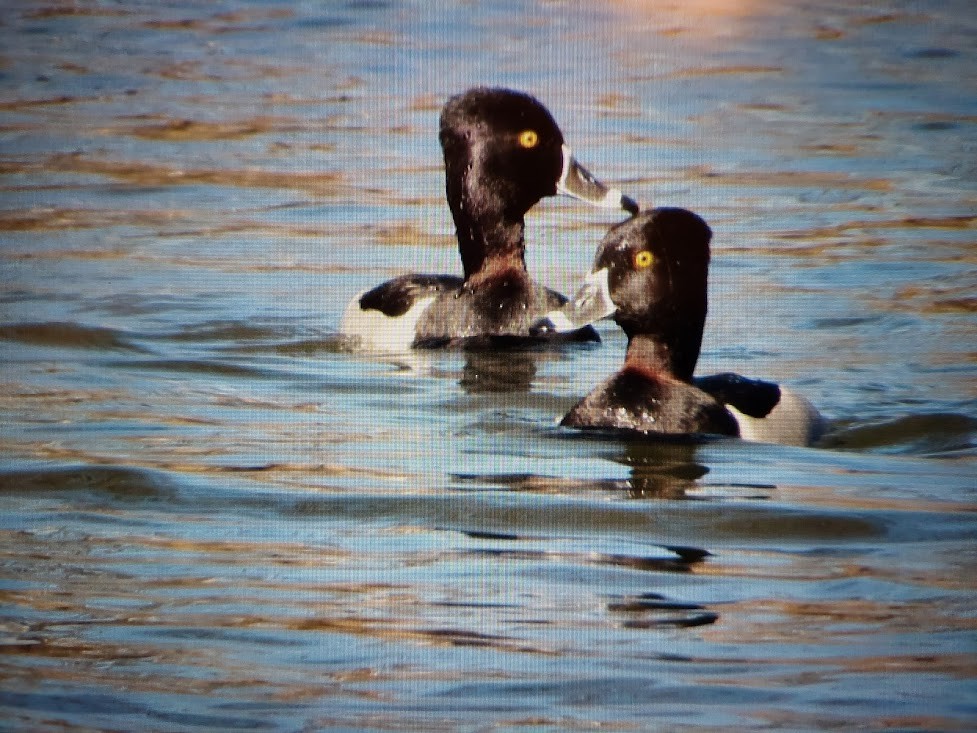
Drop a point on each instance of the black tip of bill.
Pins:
(630, 205)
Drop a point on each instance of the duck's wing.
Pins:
(396, 297)
(752, 397)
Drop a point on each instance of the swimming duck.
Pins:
(650, 274)
(503, 152)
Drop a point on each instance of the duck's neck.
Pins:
(667, 336)
(489, 236)
(664, 356)
(487, 227)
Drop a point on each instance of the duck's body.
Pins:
(429, 311)
(649, 402)
(651, 275)
(387, 316)
(794, 420)
(636, 400)
(503, 152)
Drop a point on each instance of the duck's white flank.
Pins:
(794, 421)
(374, 331)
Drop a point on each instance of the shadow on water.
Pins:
(118, 707)
(507, 368)
(507, 372)
(68, 335)
(119, 483)
(924, 434)
(511, 366)
(660, 470)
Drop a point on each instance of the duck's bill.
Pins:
(591, 303)
(580, 183)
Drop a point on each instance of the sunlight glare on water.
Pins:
(215, 516)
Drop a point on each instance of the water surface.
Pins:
(215, 516)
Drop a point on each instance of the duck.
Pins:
(650, 275)
(503, 152)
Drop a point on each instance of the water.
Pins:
(216, 517)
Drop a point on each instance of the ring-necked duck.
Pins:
(651, 274)
(503, 152)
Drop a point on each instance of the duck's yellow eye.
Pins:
(643, 259)
(528, 138)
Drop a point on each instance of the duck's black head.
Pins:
(503, 152)
(503, 146)
(650, 274)
(657, 269)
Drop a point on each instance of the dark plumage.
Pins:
(503, 152)
(656, 266)
(650, 274)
